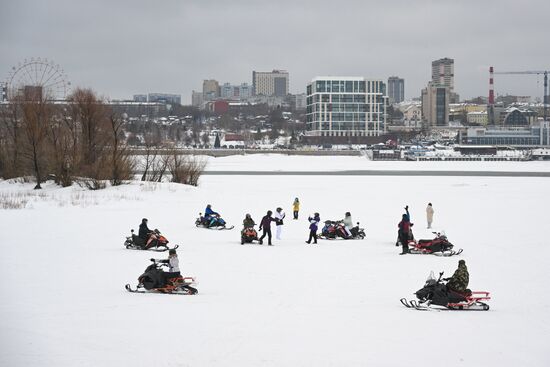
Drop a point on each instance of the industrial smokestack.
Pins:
(491, 88)
(491, 104)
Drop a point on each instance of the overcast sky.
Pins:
(120, 48)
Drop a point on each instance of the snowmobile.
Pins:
(435, 295)
(160, 244)
(249, 235)
(335, 229)
(154, 280)
(439, 246)
(218, 222)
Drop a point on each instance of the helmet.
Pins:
(172, 251)
(269, 212)
(144, 220)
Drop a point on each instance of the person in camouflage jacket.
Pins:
(460, 279)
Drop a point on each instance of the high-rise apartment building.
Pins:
(197, 99)
(435, 104)
(240, 92)
(270, 83)
(210, 89)
(443, 73)
(396, 89)
(346, 106)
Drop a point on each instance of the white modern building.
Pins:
(346, 106)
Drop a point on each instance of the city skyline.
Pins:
(126, 48)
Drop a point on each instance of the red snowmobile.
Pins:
(439, 246)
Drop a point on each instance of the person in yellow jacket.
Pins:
(296, 208)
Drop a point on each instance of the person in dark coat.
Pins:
(145, 233)
(144, 230)
(265, 224)
(313, 226)
(404, 233)
(460, 279)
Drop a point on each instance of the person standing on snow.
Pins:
(265, 224)
(429, 214)
(404, 233)
(279, 216)
(296, 208)
(313, 226)
(460, 279)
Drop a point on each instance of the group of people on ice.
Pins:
(455, 289)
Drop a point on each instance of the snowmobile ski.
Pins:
(154, 249)
(180, 292)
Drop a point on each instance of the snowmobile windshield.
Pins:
(431, 278)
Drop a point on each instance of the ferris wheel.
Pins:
(39, 74)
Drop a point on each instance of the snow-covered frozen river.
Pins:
(63, 271)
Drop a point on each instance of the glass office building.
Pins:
(346, 106)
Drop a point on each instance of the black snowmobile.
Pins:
(154, 280)
(160, 244)
(218, 223)
(435, 295)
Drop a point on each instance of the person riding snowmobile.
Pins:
(145, 233)
(348, 224)
(248, 221)
(173, 266)
(460, 279)
(172, 279)
(211, 217)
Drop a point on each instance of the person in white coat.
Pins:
(279, 216)
(429, 214)
(348, 223)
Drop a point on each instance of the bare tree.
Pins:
(10, 140)
(185, 169)
(35, 118)
(90, 113)
(121, 162)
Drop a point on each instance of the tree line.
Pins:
(81, 140)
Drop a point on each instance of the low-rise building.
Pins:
(536, 135)
(478, 118)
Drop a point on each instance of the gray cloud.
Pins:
(124, 47)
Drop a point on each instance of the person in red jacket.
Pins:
(405, 233)
(265, 224)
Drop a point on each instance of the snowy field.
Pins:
(63, 271)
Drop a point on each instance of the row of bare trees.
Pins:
(81, 140)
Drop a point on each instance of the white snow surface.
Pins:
(63, 269)
(275, 162)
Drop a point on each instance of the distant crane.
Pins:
(539, 72)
